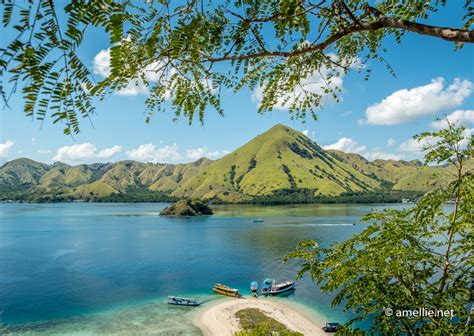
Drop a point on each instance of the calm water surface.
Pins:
(97, 268)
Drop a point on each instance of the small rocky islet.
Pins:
(187, 208)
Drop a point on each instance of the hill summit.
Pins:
(279, 159)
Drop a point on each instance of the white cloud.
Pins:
(349, 145)
(458, 117)
(101, 66)
(158, 71)
(154, 72)
(109, 152)
(305, 132)
(316, 83)
(149, 153)
(85, 152)
(5, 148)
(414, 146)
(391, 142)
(133, 88)
(101, 63)
(44, 151)
(408, 104)
(378, 154)
(346, 145)
(201, 152)
(467, 134)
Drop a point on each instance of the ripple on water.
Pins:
(156, 318)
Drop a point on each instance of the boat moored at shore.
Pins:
(281, 288)
(253, 286)
(267, 285)
(225, 290)
(182, 301)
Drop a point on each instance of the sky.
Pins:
(376, 118)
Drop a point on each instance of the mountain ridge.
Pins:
(279, 161)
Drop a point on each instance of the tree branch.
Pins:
(383, 22)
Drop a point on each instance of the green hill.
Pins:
(383, 170)
(281, 162)
(21, 174)
(279, 159)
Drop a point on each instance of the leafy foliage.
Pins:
(278, 47)
(407, 259)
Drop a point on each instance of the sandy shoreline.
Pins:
(219, 319)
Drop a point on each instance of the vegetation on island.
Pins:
(254, 322)
(406, 260)
(185, 55)
(185, 208)
(279, 166)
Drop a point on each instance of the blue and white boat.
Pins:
(281, 288)
(254, 286)
(267, 285)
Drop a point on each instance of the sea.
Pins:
(107, 268)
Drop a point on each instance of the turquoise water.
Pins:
(97, 268)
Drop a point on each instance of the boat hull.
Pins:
(182, 302)
(227, 291)
(218, 291)
(266, 286)
(283, 290)
(253, 286)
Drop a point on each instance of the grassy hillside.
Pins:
(279, 165)
(280, 158)
(384, 170)
(21, 174)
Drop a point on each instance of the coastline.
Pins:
(219, 317)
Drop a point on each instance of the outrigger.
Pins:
(224, 290)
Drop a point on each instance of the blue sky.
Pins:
(375, 118)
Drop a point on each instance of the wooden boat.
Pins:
(282, 287)
(224, 290)
(182, 301)
(267, 285)
(254, 286)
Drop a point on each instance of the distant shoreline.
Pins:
(348, 198)
(219, 318)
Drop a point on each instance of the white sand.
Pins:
(220, 320)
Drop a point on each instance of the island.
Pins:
(185, 208)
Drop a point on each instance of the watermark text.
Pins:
(419, 312)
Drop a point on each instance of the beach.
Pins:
(219, 319)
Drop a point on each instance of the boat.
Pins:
(331, 327)
(266, 286)
(257, 220)
(182, 301)
(254, 286)
(224, 290)
(282, 287)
